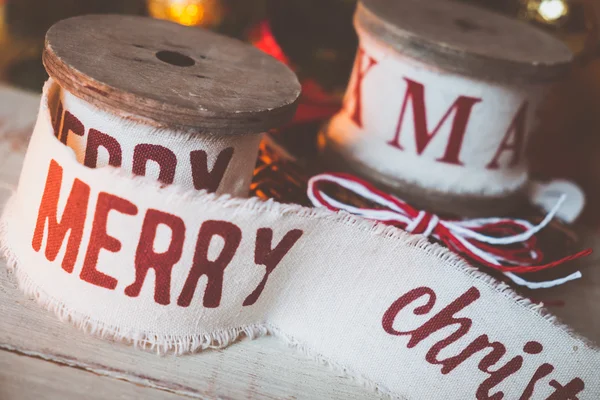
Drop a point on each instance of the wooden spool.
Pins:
(437, 56)
(174, 83)
(466, 40)
(170, 75)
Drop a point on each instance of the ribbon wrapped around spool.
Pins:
(440, 104)
(176, 269)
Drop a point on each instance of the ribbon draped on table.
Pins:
(485, 241)
(177, 269)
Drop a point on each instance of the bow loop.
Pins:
(504, 244)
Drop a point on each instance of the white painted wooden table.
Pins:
(42, 358)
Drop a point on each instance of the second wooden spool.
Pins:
(441, 101)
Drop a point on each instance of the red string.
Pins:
(521, 258)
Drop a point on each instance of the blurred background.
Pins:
(316, 39)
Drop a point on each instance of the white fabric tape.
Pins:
(412, 122)
(190, 160)
(179, 270)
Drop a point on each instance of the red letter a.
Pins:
(461, 108)
(516, 132)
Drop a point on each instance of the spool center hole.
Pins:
(175, 58)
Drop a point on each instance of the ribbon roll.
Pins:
(174, 269)
(190, 160)
(437, 110)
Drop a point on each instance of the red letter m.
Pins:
(461, 109)
(72, 220)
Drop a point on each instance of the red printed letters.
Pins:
(203, 177)
(454, 122)
(100, 239)
(360, 72)
(162, 263)
(491, 352)
(461, 109)
(74, 218)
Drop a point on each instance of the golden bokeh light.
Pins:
(205, 13)
(547, 11)
(552, 10)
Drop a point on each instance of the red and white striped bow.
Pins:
(487, 241)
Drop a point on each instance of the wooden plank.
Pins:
(26, 378)
(265, 368)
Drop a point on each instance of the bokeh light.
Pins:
(206, 13)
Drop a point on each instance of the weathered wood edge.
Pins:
(145, 111)
(458, 62)
(23, 377)
(150, 111)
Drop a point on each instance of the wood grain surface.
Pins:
(46, 379)
(466, 39)
(173, 75)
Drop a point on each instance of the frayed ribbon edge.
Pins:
(163, 344)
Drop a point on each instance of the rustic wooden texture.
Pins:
(45, 379)
(174, 75)
(261, 369)
(466, 39)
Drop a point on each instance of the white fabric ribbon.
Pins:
(182, 270)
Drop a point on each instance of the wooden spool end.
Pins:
(174, 76)
(466, 39)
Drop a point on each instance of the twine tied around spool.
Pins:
(168, 267)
